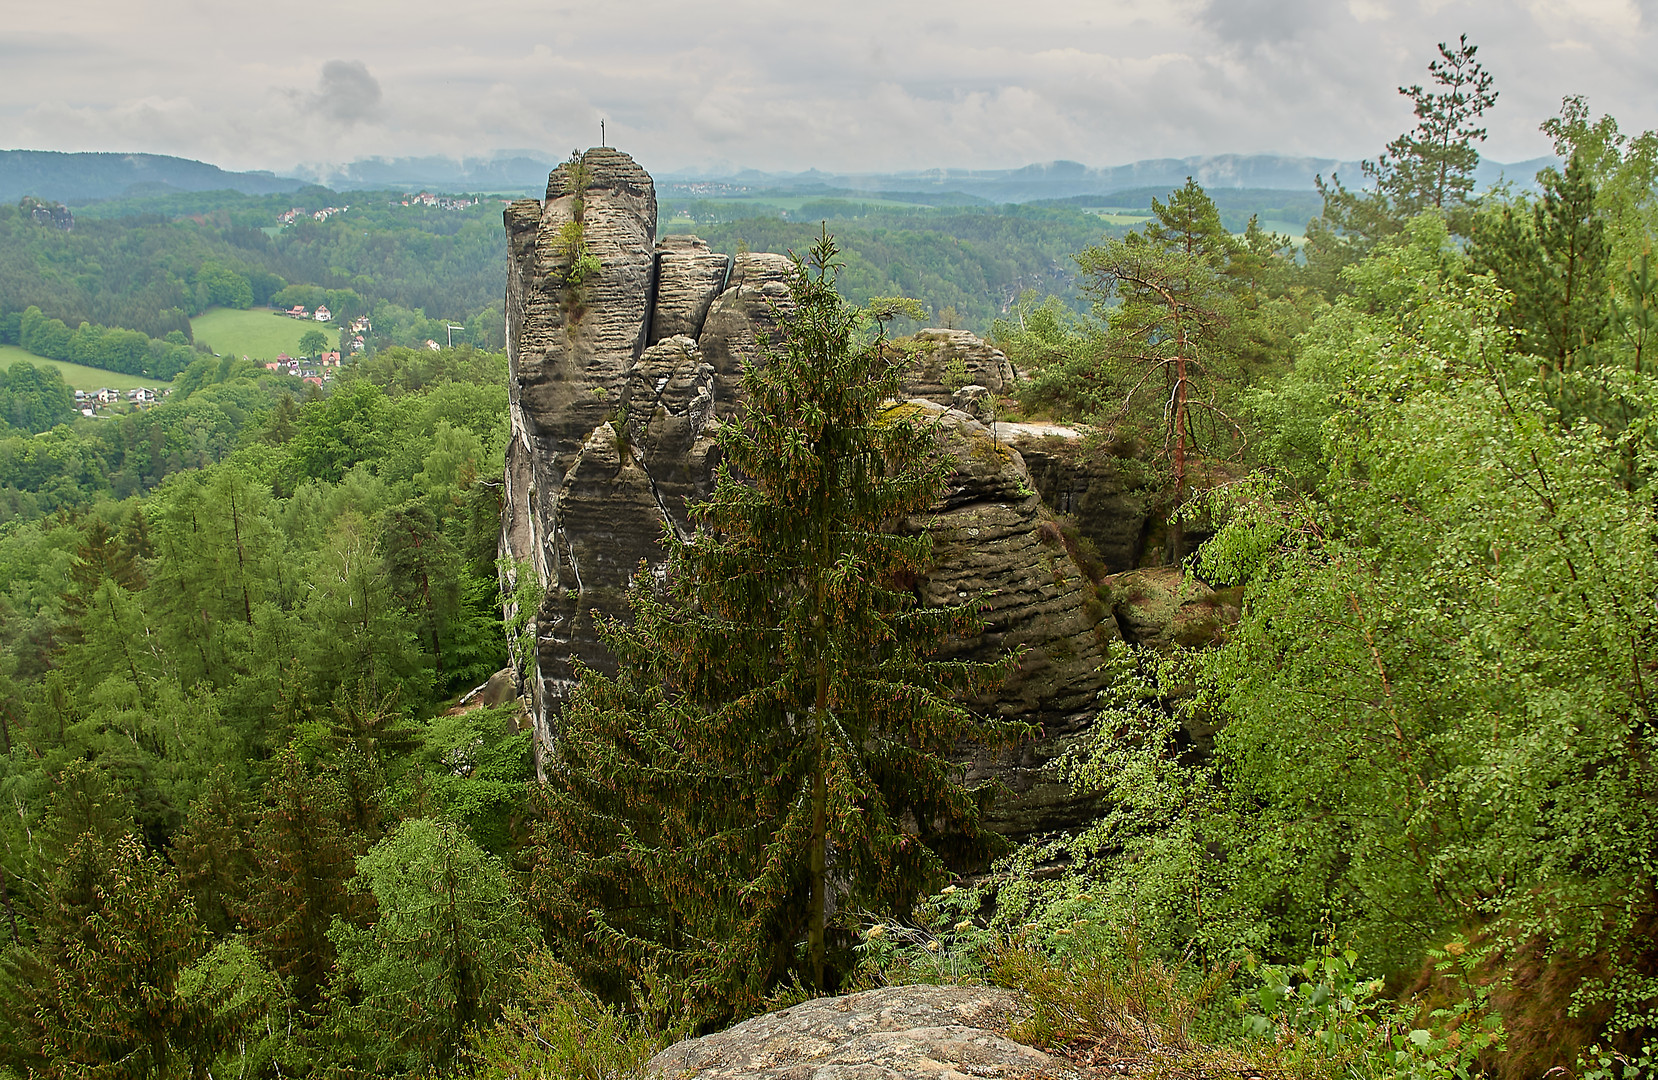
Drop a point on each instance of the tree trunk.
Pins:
(1177, 530)
(820, 790)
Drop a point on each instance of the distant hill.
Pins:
(82, 178)
(1069, 179)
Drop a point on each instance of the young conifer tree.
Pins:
(779, 726)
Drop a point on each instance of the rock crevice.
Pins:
(619, 377)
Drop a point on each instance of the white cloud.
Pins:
(857, 85)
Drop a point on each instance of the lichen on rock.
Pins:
(896, 1031)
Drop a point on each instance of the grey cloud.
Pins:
(963, 82)
(346, 92)
(1248, 23)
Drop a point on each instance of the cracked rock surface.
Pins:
(618, 382)
(946, 1032)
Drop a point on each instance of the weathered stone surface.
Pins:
(952, 1032)
(742, 315)
(934, 368)
(976, 401)
(988, 538)
(615, 403)
(1104, 494)
(670, 407)
(570, 349)
(688, 278)
(1162, 607)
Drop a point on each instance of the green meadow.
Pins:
(259, 333)
(79, 376)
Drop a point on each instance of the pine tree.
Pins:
(1165, 294)
(1429, 167)
(777, 726)
(1190, 223)
(1555, 264)
(1433, 164)
(305, 857)
(435, 965)
(115, 938)
(214, 853)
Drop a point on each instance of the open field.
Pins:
(79, 376)
(257, 332)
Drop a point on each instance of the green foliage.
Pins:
(220, 286)
(114, 952)
(1430, 167)
(313, 342)
(435, 963)
(1557, 268)
(1332, 1019)
(130, 352)
(477, 766)
(34, 399)
(775, 697)
(972, 260)
(556, 1028)
(1622, 169)
(1453, 510)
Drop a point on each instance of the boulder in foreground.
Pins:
(945, 1032)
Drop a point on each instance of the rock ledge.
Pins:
(943, 1032)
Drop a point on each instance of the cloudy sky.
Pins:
(780, 85)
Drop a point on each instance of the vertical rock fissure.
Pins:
(615, 402)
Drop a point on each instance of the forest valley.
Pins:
(248, 831)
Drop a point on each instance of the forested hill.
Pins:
(76, 178)
(151, 264)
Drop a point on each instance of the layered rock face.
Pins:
(625, 354)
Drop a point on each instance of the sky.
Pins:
(854, 85)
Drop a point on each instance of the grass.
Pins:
(257, 332)
(79, 376)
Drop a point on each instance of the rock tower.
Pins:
(626, 351)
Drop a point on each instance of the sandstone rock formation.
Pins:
(948, 360)
(947, 1032)
(626, 353)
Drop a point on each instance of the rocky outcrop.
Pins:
(626, 354)
(578, 507)
(993, 536)
(1107, 496)
(897, 1031)
(945, 361)
(688, 279)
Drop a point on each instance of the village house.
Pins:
(329, 359)
(323, 314)
(106, 396)
(361, 325)
(141, 395)
(297, 312)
